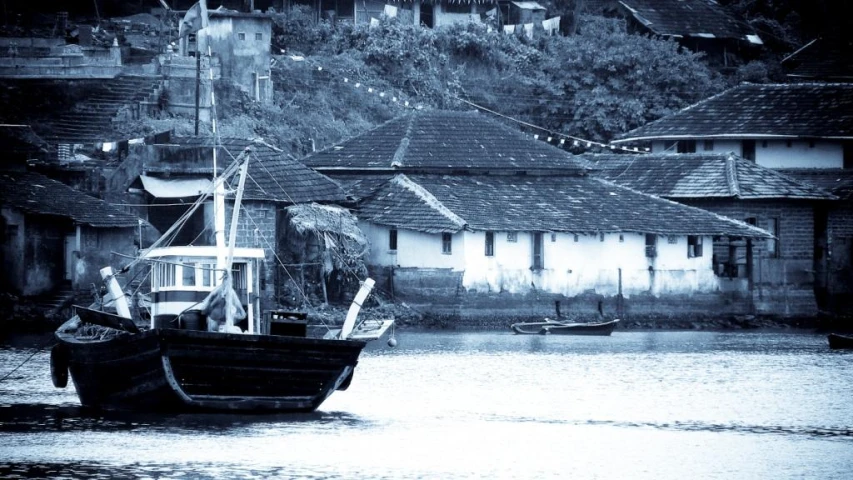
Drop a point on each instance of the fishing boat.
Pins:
(838, 342)
(207, 346)
(549, 326)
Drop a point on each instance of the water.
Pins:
(637, 405)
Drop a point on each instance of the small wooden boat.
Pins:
(838, 342)
(564, 328)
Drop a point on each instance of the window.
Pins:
(621, 238)
(651, 245)
(708, 145)
(392, 239)
(241, 36)
(207, 273)
(259, 36)
(772, 244)
(538, 251)
(576, 238)
(601, 237)
(848, 154)
(686, 146)
(165, 274)
(764, 144)
(694, 246)
(446, 243)
(672, 239)
(512, 237)
(748, 150)
(188, 275)
(553, 237)
(490, 244)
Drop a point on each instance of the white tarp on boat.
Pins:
(175, 188)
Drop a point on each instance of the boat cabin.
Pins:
(182, 277)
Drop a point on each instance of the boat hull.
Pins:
(838, 342)
(560, 328)
(186, 370)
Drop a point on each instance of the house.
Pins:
(56, 236)
(803, 125)
(472, 219)
(700, 25)
(241, 43)
(430, 14)
(160, 180)
(784, 277)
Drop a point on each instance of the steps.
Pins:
(93, 119)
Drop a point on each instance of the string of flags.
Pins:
(551, 26)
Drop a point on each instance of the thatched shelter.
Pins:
(324, 251)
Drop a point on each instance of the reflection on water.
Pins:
(660, 405)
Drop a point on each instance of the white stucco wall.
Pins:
(570, 267)
(777, 153)
(414, 249)
(442, 17)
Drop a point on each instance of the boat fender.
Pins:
(59, 360)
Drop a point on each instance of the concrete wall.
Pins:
(45, 58)
(180, 83)
(840, 257)
(98, 249)
(245, 59)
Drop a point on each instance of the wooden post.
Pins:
(749, 272)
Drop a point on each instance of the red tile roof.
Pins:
(578, 204)
(39, 195)
(445, 140)
(696, 18)
(702, 175)
(810, 110)
(836, 180)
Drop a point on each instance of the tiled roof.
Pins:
(273, 175)
(702, 175)
(836, 180)
(823, 59)
(37, 194)
(696, 18)
(578, 204)
(442, 140)
(812, 110)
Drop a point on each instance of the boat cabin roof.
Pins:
(203, 252)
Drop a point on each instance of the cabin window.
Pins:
(708, 145)
(748, 150)
(165, 274)
(188, 274)
(772, 226)
(538, 251)
(241, 36)
(259, 36)
(651, 245)
(490, 244)
(207, 272)
(512, 237)
(694, 246)
(392, 239)
(446, 243)
(686, 146)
